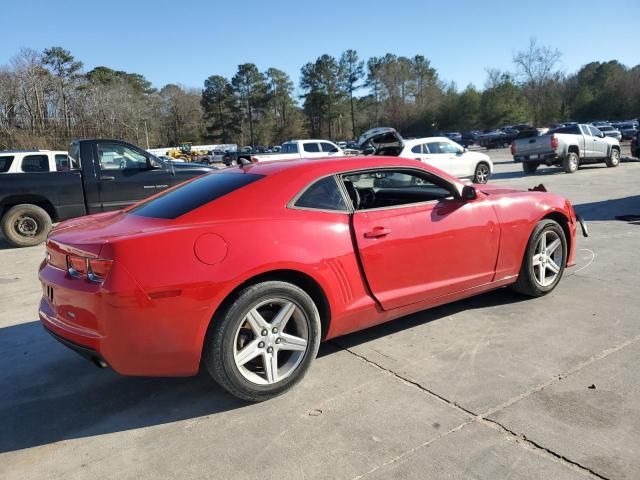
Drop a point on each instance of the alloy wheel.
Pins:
(271, 341)
(482, 173)
(547, 259)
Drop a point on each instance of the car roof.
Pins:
(415, 141)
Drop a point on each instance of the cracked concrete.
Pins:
(491, 387)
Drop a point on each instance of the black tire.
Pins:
(571, 162)
(218, 353)
(526, 283)
(530, 167)
(614, 158)
(482, 173)
(26, 225)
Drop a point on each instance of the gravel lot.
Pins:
(487, 388)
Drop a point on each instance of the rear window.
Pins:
(5, 164)
(35, 163)
(194, 194)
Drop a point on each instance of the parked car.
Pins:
(627, 130)
(298, 149)
(610, 131)
(105, 175)
(568, 147)
(469, 138)
(497, 138)
(441, 152)
(33, 161)
(246, 280)
(455, 136)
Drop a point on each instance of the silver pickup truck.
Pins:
(569, 147)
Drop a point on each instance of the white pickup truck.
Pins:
(298, 149)
(33, 161)
(568, 146)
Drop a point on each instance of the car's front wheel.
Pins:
(482, 173)
(614, 158)
(544, 260)
(263, 342)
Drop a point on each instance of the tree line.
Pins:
(47, 98)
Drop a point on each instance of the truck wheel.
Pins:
(530, 167)
(263, 342)
(570, 162)
(26, 225)
(544, 260)
(482, 173)
(614, 158)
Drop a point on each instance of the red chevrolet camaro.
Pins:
(245, 270)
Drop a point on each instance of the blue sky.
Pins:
(185, 41)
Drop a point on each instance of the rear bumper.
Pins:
(539, 158)
(121, 326)
(81, 350)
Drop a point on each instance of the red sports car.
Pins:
(245, 270)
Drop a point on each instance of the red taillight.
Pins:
(254, 159)
(99, 268)
(95, 269)
(554, 142)
(77, 265)
(513, 148)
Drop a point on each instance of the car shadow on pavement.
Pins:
(51, 394)
(609, 209)
(502, 296)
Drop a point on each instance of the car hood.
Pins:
(191, 166)
(380, 135)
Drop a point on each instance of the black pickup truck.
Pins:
(103, 175)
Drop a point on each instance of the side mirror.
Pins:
(602, 135)
(369, 151)
(469, 193)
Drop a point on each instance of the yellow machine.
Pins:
(185, 152)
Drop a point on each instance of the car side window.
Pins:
(393, 188)
(63, 163)
(417, 149)
(327, 147)
(450, 148)
(120, 157)
(5, 164)
(311, 147)
(438, 147)
(35, 163)
(322, 195)
(594, 131)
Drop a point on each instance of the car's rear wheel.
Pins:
(571, 162)
(614, 158)
(530, 167)
(263, 342)
(26, 225)
(482, 173)
(544, 260)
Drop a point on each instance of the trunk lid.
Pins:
(380, 137)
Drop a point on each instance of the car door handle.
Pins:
(107, 178)
(377, 232)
